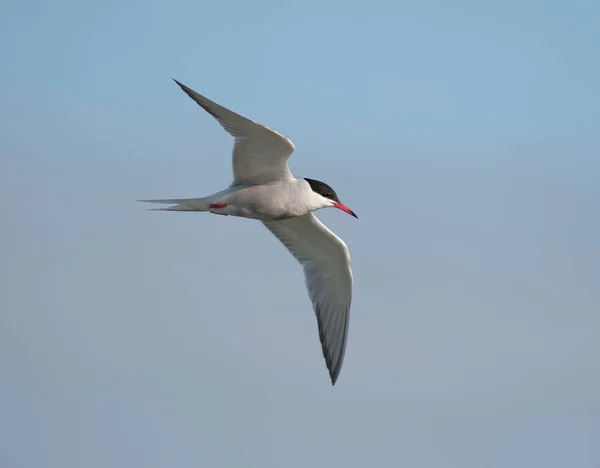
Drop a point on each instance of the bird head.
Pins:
(330, 198)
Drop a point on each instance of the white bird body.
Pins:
(271, 201)
(264, 189)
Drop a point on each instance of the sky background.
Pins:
(465, 135)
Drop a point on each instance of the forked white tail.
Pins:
(182, 204)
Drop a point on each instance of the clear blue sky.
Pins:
(466, 136)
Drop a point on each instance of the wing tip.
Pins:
(334, 370)
(183, 87)
(187, 90)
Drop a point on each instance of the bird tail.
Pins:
(181, 204)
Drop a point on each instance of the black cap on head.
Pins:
(322, 189)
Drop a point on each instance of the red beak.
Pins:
(345, 209)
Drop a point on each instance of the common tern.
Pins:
(263, 188)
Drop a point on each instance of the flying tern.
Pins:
(263, 188)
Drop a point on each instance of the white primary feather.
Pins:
(260, 155)
(327, 270)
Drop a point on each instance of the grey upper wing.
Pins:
(327, 269)
(260, 155)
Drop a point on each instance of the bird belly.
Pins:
(260, 212)
(262, 202)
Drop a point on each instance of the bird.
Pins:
(264, 189)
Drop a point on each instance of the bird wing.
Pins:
(326, 262)
(260, 154)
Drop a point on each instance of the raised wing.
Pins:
(326, 263)
(260, 155)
